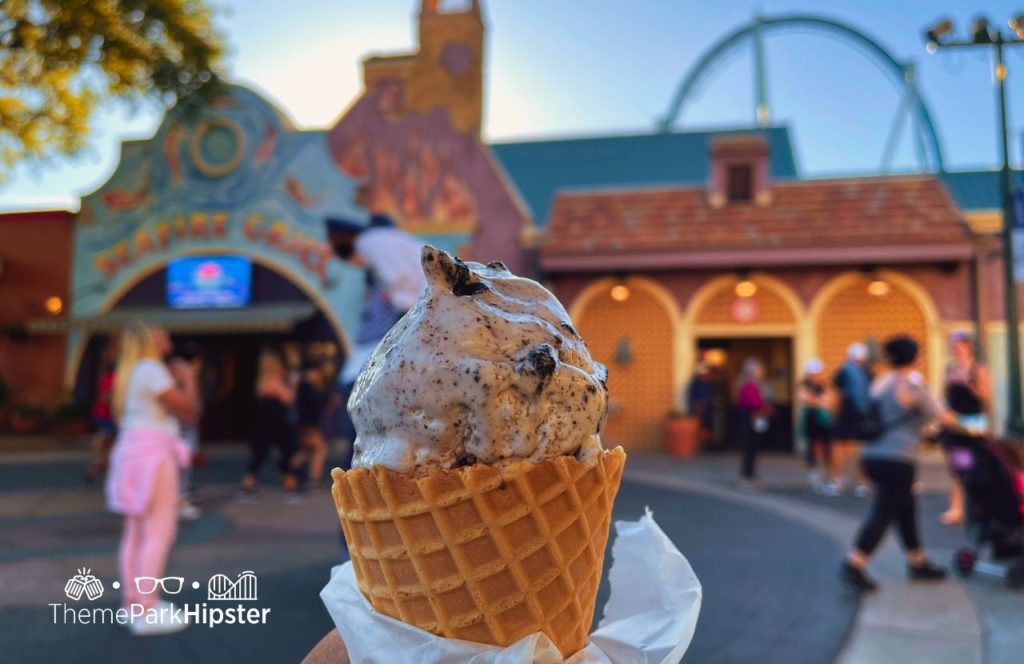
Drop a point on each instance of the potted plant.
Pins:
(682, 434)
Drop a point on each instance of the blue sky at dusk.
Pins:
(585, 67)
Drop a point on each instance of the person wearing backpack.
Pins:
(899, 408)
(851, 381)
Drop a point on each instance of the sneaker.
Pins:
(187, 511)
(165, 625)
(861, 491)
(926, 571)
(856, 578)
(832, 489)
(815, 480)
(294, 498)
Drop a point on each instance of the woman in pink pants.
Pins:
(149, 400)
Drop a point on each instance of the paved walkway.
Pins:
(957, 621)
(767, 562)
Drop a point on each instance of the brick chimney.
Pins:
(739, 171)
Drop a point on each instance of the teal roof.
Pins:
(541, 168)
(976, 190)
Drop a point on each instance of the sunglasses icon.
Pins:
(147, 585)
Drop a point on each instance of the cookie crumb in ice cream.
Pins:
(485, 368)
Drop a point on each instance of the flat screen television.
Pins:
(209, 282)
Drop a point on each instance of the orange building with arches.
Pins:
(785, 271)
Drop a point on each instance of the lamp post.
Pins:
(984, 37)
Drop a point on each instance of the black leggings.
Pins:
(271, 429)
(750, 441)
(894, 502)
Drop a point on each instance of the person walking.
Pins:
(275, 394)
(310, 403)
(149, 399)
(852, 381)
(900, 406)
(816, 424)
(968, 394)
(102, 413)
(754, 413)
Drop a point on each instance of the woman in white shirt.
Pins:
(149, 400)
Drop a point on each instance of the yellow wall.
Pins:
(664, 338)
(640, 391)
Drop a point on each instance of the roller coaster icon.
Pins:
(221, 587)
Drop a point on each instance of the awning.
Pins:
(256, 318)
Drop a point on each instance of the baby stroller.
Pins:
(993, 485)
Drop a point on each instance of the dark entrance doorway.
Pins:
(230, 354)
(726, 357)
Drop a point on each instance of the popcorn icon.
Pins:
(84, 583)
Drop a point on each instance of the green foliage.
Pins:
(59, 58)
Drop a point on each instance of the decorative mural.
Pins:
(433, 179)
(237, 178)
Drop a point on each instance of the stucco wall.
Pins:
(35, 249)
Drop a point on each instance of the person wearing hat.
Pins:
(390, 259)
(816, 423)
(968, 393)
(851, 382)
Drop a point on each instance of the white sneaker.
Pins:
(832, 489)
(294, 498)
(187, 511)
(861, 491)
(166, 624)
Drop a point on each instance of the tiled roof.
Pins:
(856, 220)
(540, 168)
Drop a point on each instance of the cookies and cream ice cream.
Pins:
(485, 368)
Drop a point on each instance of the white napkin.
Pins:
(650, 616)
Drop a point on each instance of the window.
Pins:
(740, 183)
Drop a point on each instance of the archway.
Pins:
(285, 312)
(631, 327)
(724, 329)
(844, 311)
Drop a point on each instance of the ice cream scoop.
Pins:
(485, 368)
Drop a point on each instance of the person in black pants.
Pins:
(754, 412)
(272, 426)
(903, 407)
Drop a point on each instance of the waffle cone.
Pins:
(483, 553)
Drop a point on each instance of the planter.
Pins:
(26, 424)
(682, 436)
